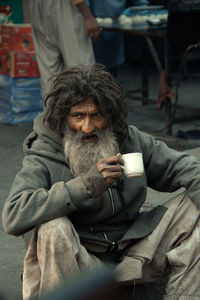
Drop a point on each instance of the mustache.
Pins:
(82, 134)
(85, 135)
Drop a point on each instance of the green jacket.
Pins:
(44, 188)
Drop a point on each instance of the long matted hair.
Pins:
(76, 84)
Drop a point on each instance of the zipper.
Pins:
(112, 246)
(105, 236)
(112, 201)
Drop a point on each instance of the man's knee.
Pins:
(57, 232)
(55, 225)
(183, 205)
(188, 211)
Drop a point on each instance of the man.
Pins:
(62, 31)
(76, 209)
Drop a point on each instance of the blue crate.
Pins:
(30, 82)
(22, 100)
(22, 94)
(9, 117)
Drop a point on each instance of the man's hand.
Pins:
(110, 168)
(91, 25)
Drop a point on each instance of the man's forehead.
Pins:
(84, 105)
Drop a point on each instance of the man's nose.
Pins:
(88, 126)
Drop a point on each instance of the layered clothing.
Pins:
(74, 223)
(45, 189)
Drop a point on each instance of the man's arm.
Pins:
(91, 25)
(35, 199)
(168, 170)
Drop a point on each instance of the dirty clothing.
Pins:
(55, 253)
(45, 189)
(60, 37)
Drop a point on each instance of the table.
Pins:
(148, 33)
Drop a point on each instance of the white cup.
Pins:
(133, 164)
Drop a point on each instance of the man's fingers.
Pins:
(111, 160)
(109, 168)
(112, 174)
(95, 33)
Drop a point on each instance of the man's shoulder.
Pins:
(134, 131)
(134, 140)
(137, 136)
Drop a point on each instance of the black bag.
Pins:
(184, 5)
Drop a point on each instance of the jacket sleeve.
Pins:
(34, 199)
(167, 170)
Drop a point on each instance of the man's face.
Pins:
(85, 117)
(87, 137)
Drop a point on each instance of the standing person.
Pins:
(77, 210)
(109, 48)
(62, 32)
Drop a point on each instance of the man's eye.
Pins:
(76, 115)
(98, 115)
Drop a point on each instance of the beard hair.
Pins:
(82, 156)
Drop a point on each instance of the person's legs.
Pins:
(172, 249)
(49, 59)
(54, 253)
(72, 37)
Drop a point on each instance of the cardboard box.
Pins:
(17, 37)
(0, 37)
(22, 64)
(3, 62)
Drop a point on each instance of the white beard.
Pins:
(82, 156)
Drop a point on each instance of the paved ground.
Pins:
(147, 118)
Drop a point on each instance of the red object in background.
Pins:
(3, 62)
(18, 64)
(22, 64)
(6, 9)
(17, 37)
(0, 37)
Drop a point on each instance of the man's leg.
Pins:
(172, 249)
(54, 253)
(72, 37)
(49, 59)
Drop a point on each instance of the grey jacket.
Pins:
(45, 189)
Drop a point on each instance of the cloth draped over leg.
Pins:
(54, 254)
(172, 249)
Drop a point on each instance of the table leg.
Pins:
(168, 101)
(168, 113)
(145, 76)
